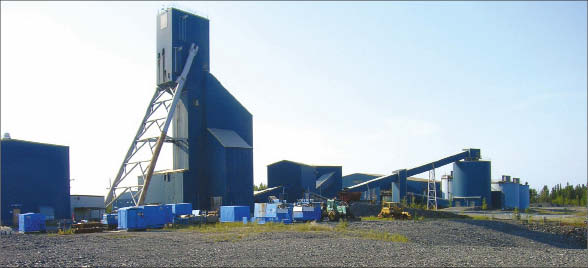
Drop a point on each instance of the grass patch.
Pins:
(65, 232)
(382, 236)
(235, 231)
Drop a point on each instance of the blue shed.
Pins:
(233, 213)
(35, 178)
(31, 222)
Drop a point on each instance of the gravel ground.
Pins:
(431, 243)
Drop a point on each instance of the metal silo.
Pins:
(510, 195)
(523, 197)
(446, 186)
(472, 179)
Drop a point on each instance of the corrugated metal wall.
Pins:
(165, 188)
(34, 175)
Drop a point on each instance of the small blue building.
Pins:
(35, 179)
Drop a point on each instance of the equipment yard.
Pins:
(447, 242)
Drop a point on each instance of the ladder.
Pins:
(167, 96)
(431, 190)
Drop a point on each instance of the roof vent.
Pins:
(6, 136)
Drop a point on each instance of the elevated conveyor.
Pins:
(399, 176)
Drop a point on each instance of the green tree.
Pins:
(533, 197)
(260, 187)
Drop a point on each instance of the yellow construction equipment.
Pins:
(393, 209)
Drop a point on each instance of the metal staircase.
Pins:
(167, 96)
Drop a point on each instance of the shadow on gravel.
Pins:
(555, 240)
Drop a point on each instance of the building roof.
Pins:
(33, 142)
(366, 174)
(229, 138)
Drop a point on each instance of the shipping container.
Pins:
(31, 222)
(131, 218)
(155, 216)
(233, 213)
(307, 213)
(181, 209)
(111, 220)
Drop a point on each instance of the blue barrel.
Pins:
(472, 178)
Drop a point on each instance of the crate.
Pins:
(131, 219)
(31, 222)
(233, 213)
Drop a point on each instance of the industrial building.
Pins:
(87, 207)
(35, 178)
(298, 178)
(415, 186)
(212, 131)
(510, 194)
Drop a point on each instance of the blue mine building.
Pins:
(213, 155)
(298, 178)
(34, 178)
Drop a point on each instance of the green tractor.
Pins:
(335, 210)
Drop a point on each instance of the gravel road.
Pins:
(431, 243)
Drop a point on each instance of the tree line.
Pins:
(568, 195)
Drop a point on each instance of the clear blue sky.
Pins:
(373, 86)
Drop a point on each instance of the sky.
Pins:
(371, 86)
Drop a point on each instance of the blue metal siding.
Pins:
(335, 183)
(205, 104)
(239, 178)
(472, 178)
(523, 197)
(34, 175)
(308, 178)
(287, 174)
(510, 195)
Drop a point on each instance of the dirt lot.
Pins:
(430, 243)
